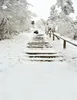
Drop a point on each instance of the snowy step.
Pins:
(38, 38)
(40, 52)
(43, 56)
(40, 35)
(44, 59)
(39, 46)
(37, 43)
(35, 46)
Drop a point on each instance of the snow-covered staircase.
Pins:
(41, 50)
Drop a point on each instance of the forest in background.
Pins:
(15, 18)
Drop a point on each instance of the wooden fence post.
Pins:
(64, 44)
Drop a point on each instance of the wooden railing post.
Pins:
(64, 44)
(64, 40)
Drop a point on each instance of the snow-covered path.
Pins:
(33, 80)
(39, 81)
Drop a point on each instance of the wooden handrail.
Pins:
(65, 40)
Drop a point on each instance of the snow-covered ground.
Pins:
(11, 50)
(39, 81)
(21, 80)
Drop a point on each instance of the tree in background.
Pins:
(66, 6)
(16, 14)
(61, 19)
(40, 24)
(53, 13)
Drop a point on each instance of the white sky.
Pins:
(42, 7)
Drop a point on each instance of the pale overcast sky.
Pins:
(42, 7)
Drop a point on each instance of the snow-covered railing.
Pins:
(74, 43)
